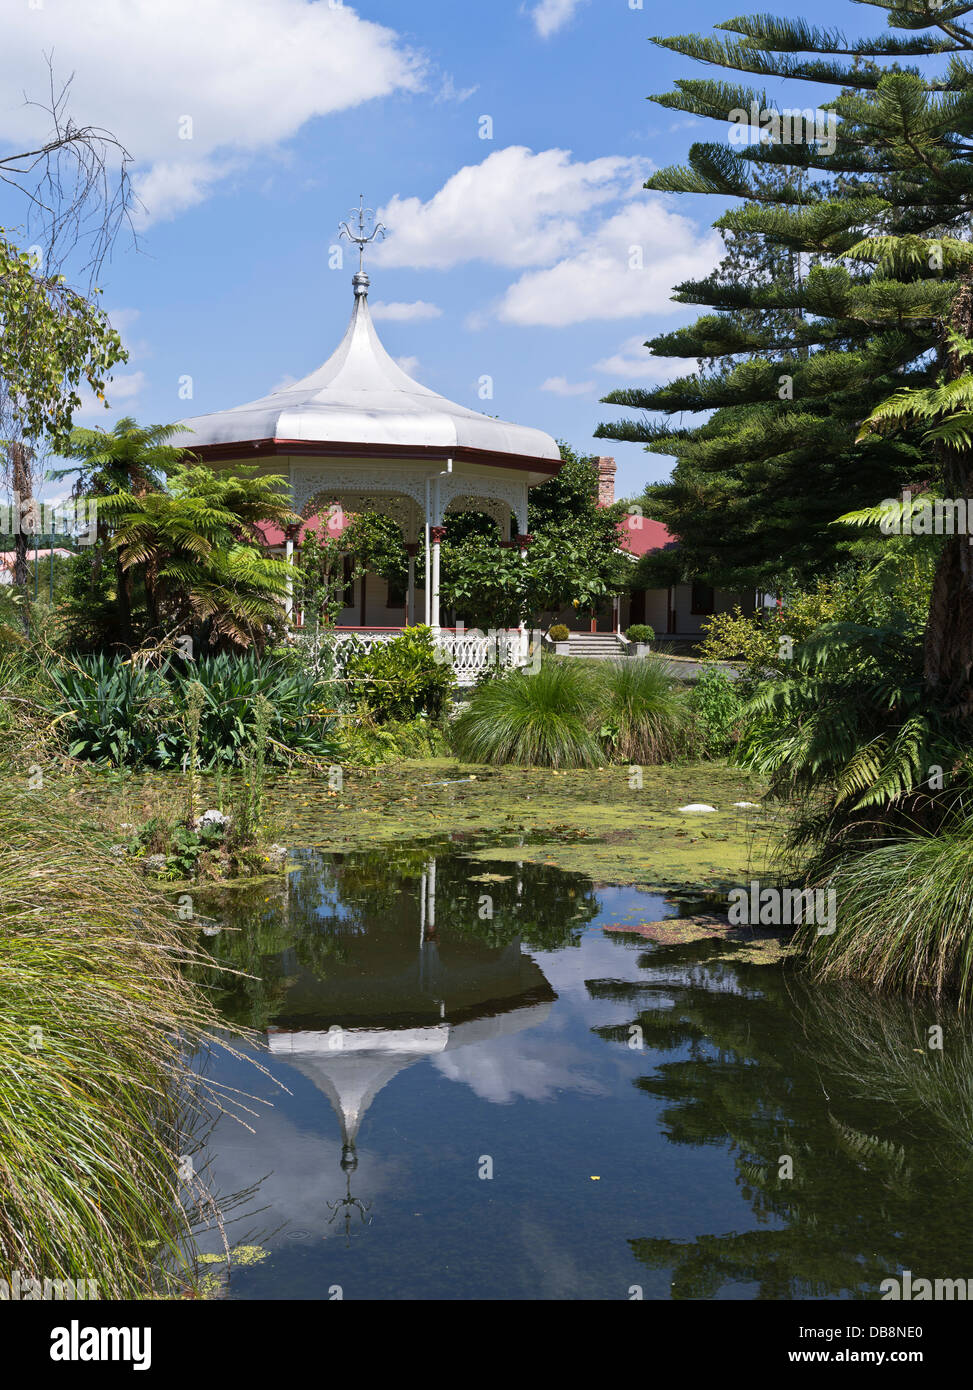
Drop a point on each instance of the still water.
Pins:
(529, 1105)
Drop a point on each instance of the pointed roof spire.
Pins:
(361, 400)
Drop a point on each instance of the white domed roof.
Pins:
(361, 398)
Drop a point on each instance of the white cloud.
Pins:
(123, 388)
(634, 361)
(171, 187)
(410, 365)
(406, 313)
(560, 386)
(450, 92)
(515, 209)
(532, 1066)
(247, 77)
(602, 278)
(551, 15)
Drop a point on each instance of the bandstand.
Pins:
(359, 434)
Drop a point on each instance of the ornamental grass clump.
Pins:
(98, 1021)
(904, 914)
(644, 715)
(540, 720)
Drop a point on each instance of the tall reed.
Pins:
(98, 1019)
(195, 699)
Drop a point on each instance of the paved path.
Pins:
(689, 668)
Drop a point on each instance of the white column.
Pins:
(434, 585)
(427, 585)
(289, 601)
(523, 541)
(431, 898)
(410, 602)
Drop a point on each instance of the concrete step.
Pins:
(595, 645)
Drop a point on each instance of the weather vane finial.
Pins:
(362, 238)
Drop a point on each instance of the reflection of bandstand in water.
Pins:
(421, 1006)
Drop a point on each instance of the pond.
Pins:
(475, 1086)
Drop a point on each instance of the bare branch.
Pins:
(77, 186)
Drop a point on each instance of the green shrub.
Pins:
(716, 705)
(365, 743)
(401, 679)
(538, 720)
(642, 712)
(559, 633)
(641, 632)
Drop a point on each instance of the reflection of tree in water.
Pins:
(879, 1127)
(253, 940)
(367, 908)
(545, 909)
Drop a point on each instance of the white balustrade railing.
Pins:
(470, 653)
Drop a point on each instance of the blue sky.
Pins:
(508, 257)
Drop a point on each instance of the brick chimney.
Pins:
(606, 481)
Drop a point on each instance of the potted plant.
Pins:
(640, 635)
(561, 637)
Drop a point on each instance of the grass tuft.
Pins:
(643, 711)
(904, 918)
(539, 720)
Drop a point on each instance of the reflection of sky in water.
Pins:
(583, 1158)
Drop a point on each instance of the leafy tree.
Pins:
(376, 543)
(319, 577)
(52, 340)
(574, 557)
(372, 542)
(802, 357)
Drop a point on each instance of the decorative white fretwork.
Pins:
(365, 487)
(402, 510)
(308, 482)
(475, 490)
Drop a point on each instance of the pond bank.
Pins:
(588, 821)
